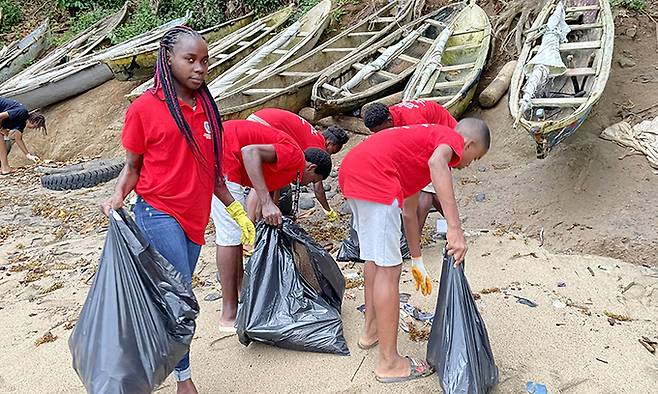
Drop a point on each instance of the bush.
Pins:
(635, 5)
(141, 20)
(11, 15)
(264, 6)
(81, 22)
(205, 13)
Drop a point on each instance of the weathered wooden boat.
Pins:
(290, 86)
(66, 80)
(450, 70)
(228, 51)
(139, 62)
(77, 47)
(284, 47)
(551, 98)
(21, 52)
(380, 69)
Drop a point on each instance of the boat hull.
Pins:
(69, 86)
(36, 48)
(140, 65)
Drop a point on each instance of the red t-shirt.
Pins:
(289, 156)
(294, 125)
(393, 164)
(172, 180)
(408, 113)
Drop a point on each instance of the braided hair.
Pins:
(164, 79)
(38, 120)
(336, 135)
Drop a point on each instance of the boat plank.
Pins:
(580, 72)
(582, 8)
(559, 101)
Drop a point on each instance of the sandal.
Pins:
(418, 369)
(367, 347)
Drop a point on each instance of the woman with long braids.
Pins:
(173, 141)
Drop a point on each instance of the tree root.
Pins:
(516, 17)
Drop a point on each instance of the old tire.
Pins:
(87, 177)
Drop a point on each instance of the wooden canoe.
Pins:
(386, 65)
(77, 47)
(450, 71)
(228, 51)
(22, 52)
(557, 110)
(286, 46)
(68, 79)
(290, 86)
(139, 63)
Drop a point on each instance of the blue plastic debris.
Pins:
(535, 388)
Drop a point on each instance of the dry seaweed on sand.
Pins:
(47, 337)
(419, 334)
(51, 288)
(490, 290)
(617, 316)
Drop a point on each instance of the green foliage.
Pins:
(11, 15)
(141, 20)
(263, 6)
(74, 6)
(303, 7)
(339, 11)
(635, 5)
(81, 22)
(205, 13)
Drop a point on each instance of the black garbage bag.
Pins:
(458, 347)
(138, 319)
(291, 293)
(349, 248)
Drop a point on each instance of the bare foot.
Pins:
(227, 325)
(367, 342)
(5, 171)
(186, 387)
(398, 367)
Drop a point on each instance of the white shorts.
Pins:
(379, 229)
(429, 189)
(227, 231)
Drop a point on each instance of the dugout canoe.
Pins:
(290, 86)
(24, 51)
(382, 68)
(292, 42)
(451, 69)
(563, 103)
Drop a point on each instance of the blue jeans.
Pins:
(168, 238)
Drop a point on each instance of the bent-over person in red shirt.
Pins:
(264, 159)
(378, 117)
(307, 136)
(378, 177)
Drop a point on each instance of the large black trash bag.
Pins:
(349, 248)
(459, 347)
(291, 293)
(138, 319)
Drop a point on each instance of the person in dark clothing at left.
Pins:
(14, 118)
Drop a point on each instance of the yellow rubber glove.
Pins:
(331, 215)
(238, 214)
(423, 281)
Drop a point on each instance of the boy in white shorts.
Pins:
(265, 159)
(384, 173)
